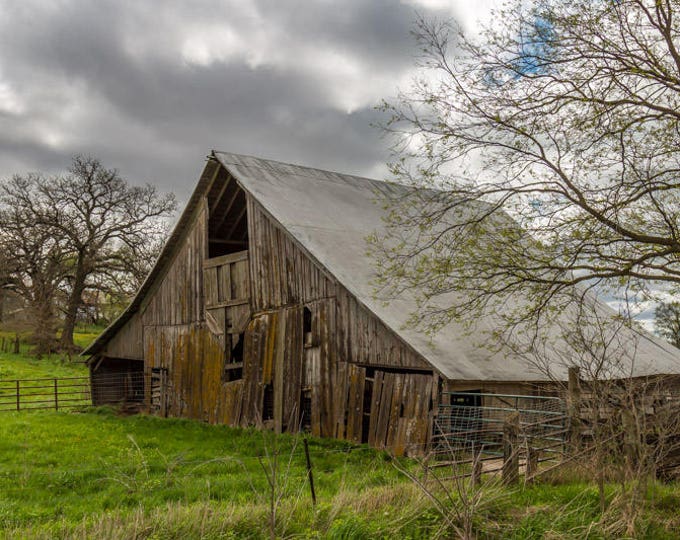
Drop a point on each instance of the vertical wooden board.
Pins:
(224, 283)
(340, 389)
(328, 359)
(292, 370)
(252, 354)
(313, 368)
(253, 252)
(353, 403)
(395, 410)
(375, 408)
(384, 409)
(278, 375)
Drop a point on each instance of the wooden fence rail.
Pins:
(47, 393)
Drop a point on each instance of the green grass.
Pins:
(26, 366)
(58, 469)
(95, 474)
(99, 475)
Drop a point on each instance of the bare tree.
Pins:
(564, 116)
(667, 316)
(93, 214)
(35, 268)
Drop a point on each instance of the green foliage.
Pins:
(667, 316)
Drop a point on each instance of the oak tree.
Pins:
(99, 221)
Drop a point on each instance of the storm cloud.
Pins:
(151, 87)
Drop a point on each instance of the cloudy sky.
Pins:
(151, 86)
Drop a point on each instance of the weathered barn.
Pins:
(261, 310)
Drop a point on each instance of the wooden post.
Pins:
(310, 475)
(18, 406)
(476, 476)
(631, 440)
(531, 463)
(510, 471)
(574, 407)
(56, 396)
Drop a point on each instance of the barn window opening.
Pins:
(307, 326)
(233, 369)
(268, 403)
(228, 220)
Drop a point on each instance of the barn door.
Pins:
(399, 411)
(272, 365)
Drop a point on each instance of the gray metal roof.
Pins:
(330, 215)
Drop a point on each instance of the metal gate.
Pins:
(474, 423)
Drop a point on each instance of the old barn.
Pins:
(261, 311)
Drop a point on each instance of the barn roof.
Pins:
(330, 215)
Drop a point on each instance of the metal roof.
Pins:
(330, 215)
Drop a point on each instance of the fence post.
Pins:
(476, 476)
(574, 407)
(531, 463)
(309, 471)
(510, 471)
(18, 399)
(56, 396)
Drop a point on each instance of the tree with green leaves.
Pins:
(553, 143)
(667, 316)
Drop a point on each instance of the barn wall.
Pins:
(281, 273)
(178, 298)
(312, 355)
(359, 381)
(127, 343)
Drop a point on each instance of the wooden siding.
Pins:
(177, 299)
(363, 338)
(281, 273)
(194, 360)
(127, 343)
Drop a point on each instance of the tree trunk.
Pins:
(75, 299)
(44, 329)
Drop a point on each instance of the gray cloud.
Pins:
(151, 87)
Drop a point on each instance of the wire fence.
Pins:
(473, 427)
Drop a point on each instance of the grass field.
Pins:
(95, 474)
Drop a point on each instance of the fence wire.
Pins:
(474, 424)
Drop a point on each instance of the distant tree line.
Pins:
(69, 241)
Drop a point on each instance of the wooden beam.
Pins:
(225, 259)
(218, 199)
(226, 212)
(238, 220)
(218, 168)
